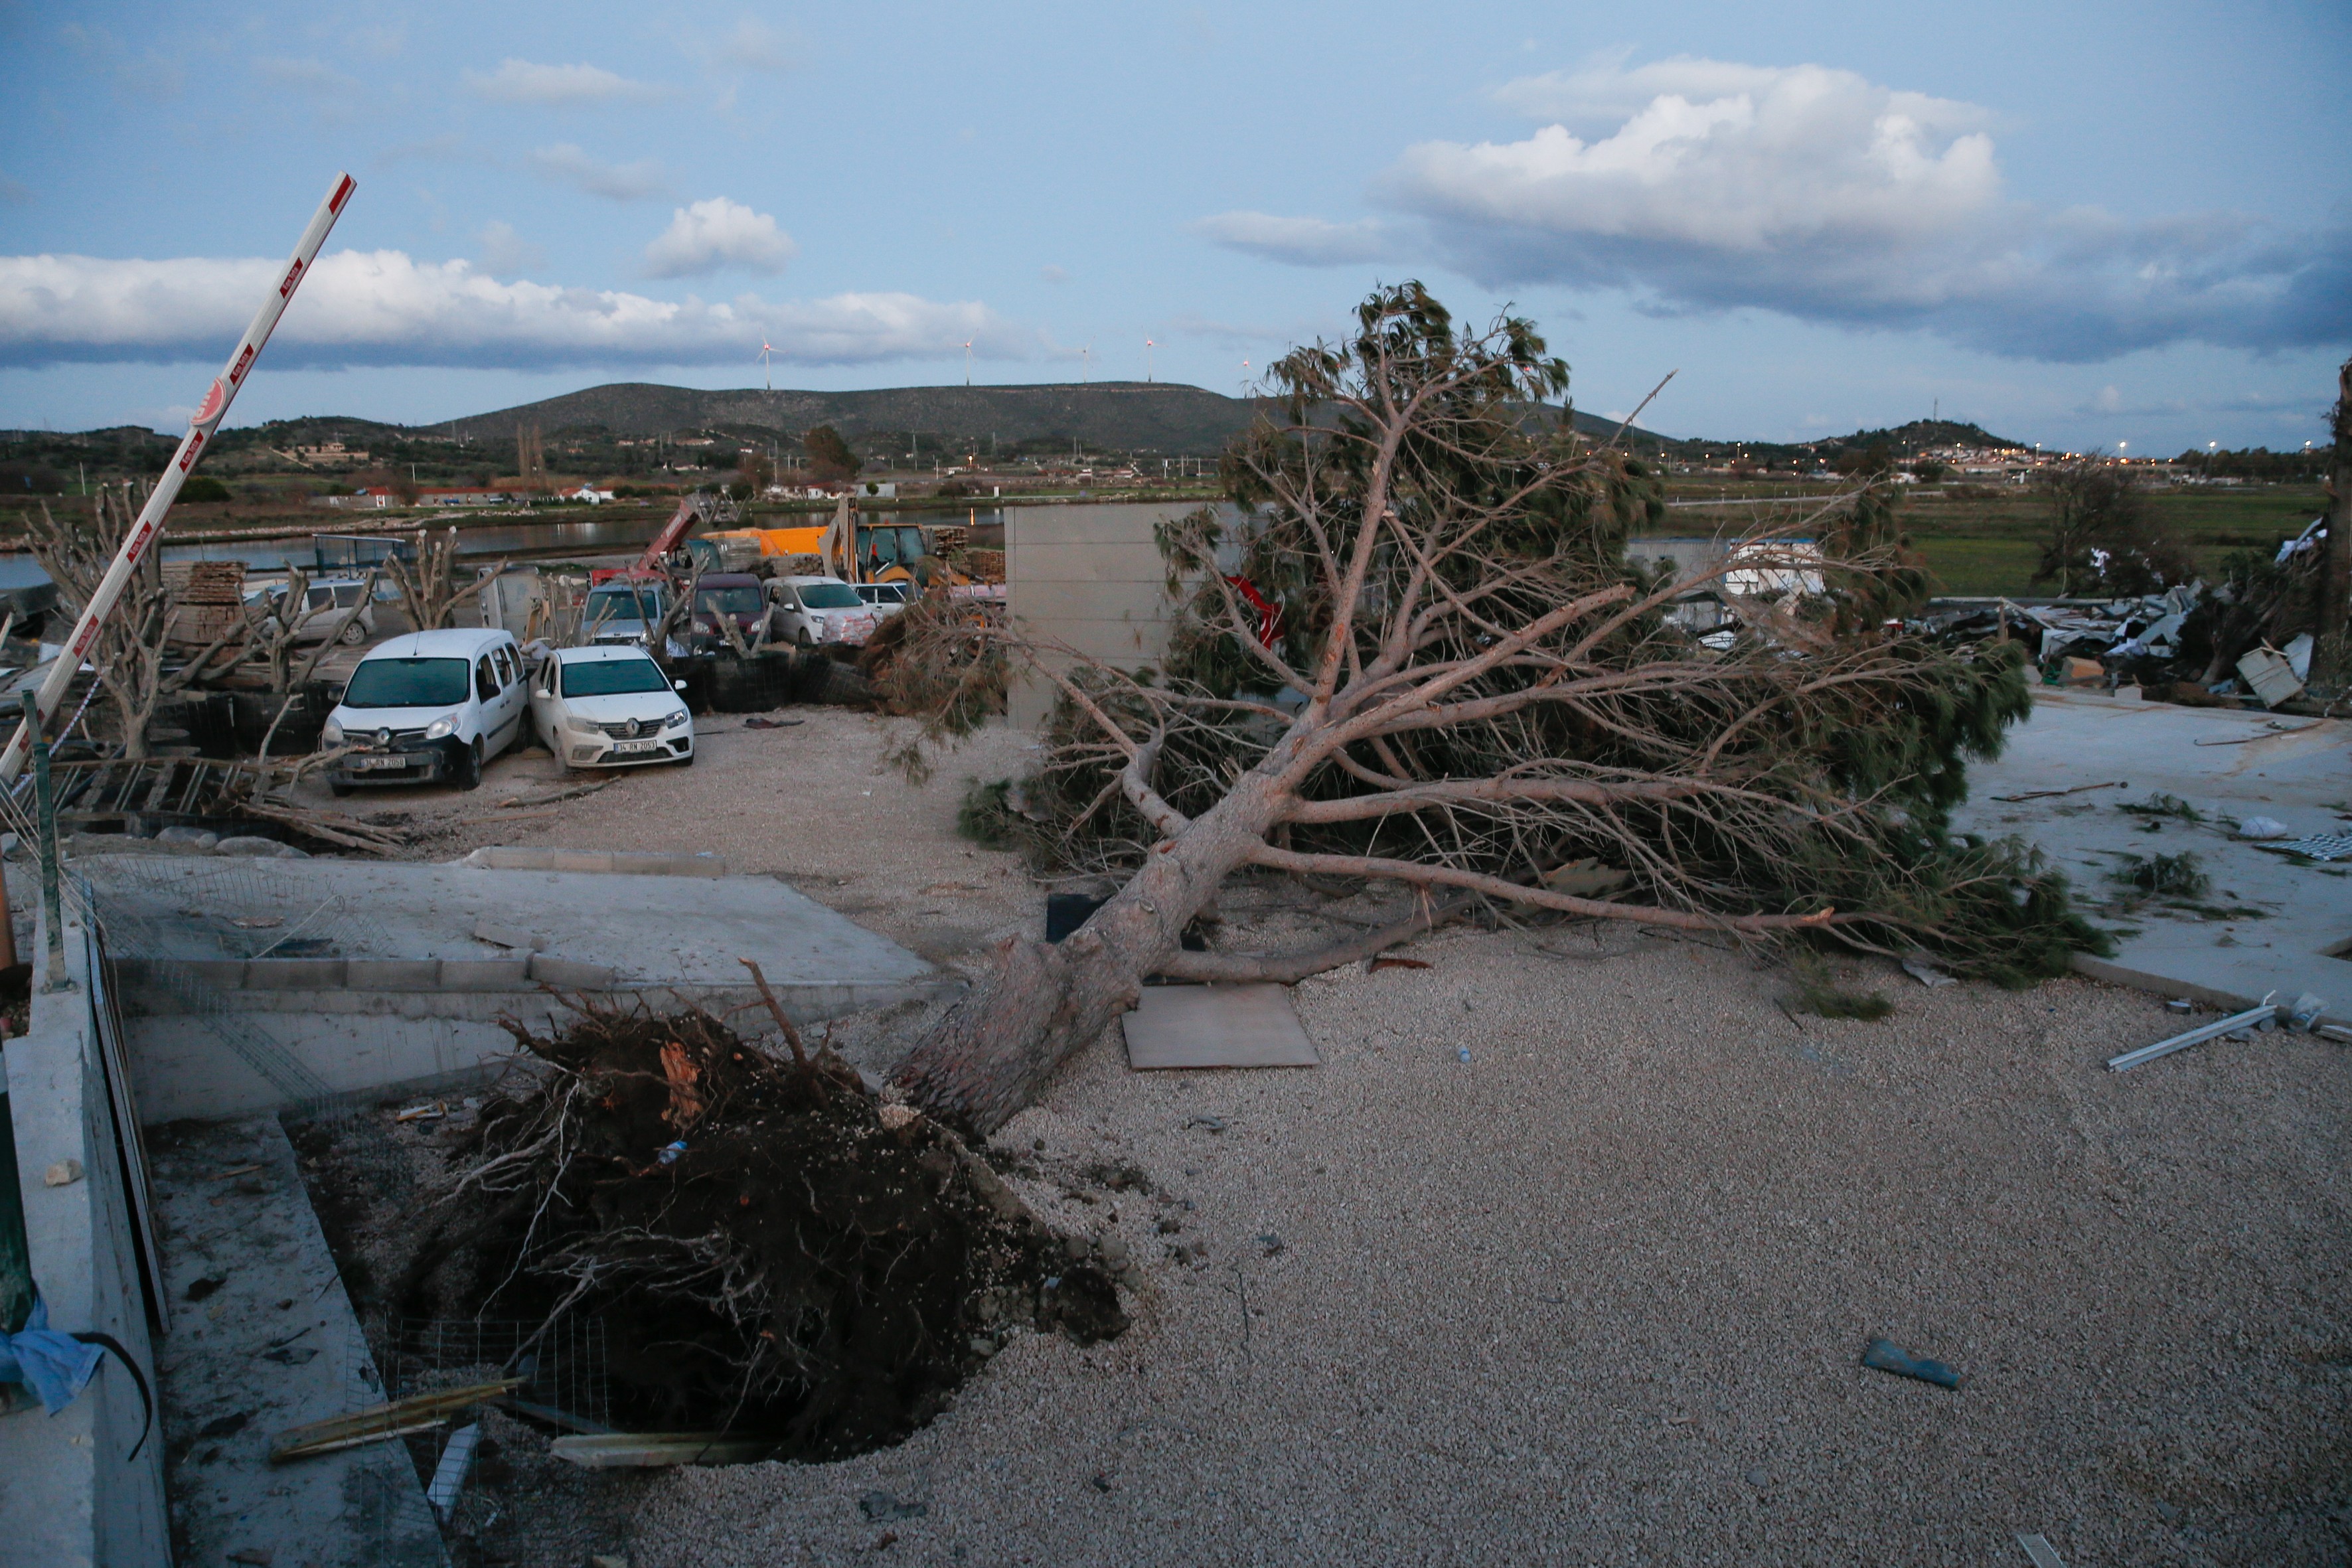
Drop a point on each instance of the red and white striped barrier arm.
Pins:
(206, 420)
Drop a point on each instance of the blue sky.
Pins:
(2081, 225)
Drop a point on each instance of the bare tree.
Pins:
(1424, 659)
(429, 589)
(2104, 537)
(133, 652)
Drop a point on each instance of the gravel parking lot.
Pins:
(1597, 1294)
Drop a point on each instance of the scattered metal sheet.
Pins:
(2318, 846)
(2197, 1037)
(1184, 1026)
(456, 1464)
(2041, 1551)
(1921, 969)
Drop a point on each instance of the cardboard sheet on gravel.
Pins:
(1216, 1026)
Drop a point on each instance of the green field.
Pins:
(1987, 542)
(1990, 545)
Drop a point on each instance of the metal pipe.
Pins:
(2197, 1037)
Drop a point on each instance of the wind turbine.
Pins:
(1086, 364)
(967, 362)
(764, 351)
(1147, 346)
(1244, 378)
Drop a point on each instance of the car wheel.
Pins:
(805, 639)
(687, 761)
(339, 790)
(470, 766)
(354, 635)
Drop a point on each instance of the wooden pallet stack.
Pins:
(210, 598)
(200, 792)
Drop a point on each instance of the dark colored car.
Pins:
(737, 595)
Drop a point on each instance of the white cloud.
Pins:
(1052, 274)
(504, 250)
(521, 81)
(1707, 184)
(383, 307)
(1307, 241)
(620, 181)
(753, 45)
(1757, 162)
(708, 235)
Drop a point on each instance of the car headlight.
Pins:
(676, 719)
(331, 733)
(442, 728)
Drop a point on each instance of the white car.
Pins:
(610, 708)
(326, 600)
(887, 599)
(427, 706)
(814, 610)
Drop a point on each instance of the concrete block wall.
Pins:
(70, 1493)
(1090, 578)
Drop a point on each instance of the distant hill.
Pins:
(1922, 434)
(1118, 416)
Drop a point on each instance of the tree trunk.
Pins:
(2331, 663)
(992, 1052)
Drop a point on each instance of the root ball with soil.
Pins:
(769, 1248)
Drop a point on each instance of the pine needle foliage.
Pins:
(1400, 524)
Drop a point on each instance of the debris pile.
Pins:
(770, 1250)
(2248, 638)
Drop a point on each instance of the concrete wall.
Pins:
(69, 1493)
(1089, 577)
(386, 1043)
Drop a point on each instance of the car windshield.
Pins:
(731, 601)
(406, 683)
(829, 596)
(625, 605)
(611, 676)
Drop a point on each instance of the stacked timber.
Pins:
(210, 596)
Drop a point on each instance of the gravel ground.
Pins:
(1597, 1294)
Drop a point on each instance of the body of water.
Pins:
(581, 537)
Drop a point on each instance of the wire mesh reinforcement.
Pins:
(171, 914)
(561, 1364)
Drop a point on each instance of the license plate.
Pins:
(633, 748)
(373, 765)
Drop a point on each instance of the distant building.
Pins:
(379, 498)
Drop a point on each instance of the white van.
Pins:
(428, 706)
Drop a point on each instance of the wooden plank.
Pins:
(196, 777)
(654, 1450)
(419, 1412)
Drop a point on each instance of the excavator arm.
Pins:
(690, 511)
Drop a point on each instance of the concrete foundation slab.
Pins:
(263, 1338)
(388, 984)
(1179, 1026)
(2268, 923)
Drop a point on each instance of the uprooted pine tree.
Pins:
(1421, 654)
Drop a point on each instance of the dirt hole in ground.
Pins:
(764, 1247)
